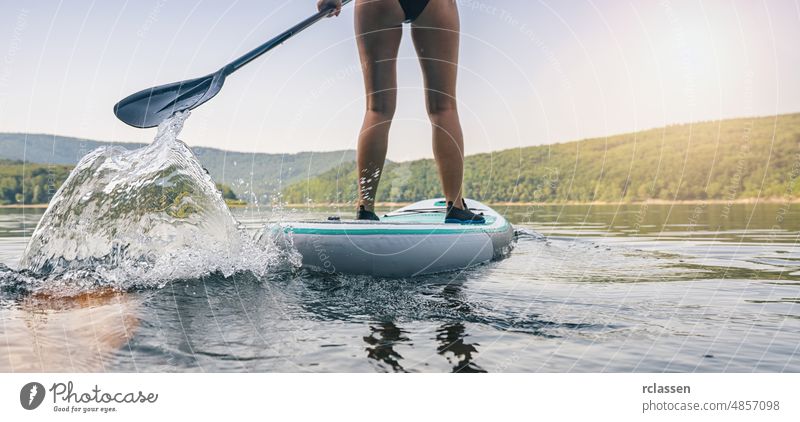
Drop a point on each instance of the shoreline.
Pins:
(28, 206)
(560, 203)
(752, 201)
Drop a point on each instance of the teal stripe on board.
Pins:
(455, 230)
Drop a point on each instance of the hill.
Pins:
(716, 160)
(269, 172)
(30, 183)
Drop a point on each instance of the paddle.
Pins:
(152, 106)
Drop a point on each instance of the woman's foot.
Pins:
(364, 214)
(462, 216)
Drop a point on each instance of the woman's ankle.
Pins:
(456, 203)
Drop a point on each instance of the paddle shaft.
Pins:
(278, 40)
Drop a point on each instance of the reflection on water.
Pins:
(458, 352)
(386, 336)
(381, 343)
(451, 336)
(74, 334)
(632, 288)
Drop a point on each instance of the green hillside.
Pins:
(270, 172)
(719, 160)
(29, 183)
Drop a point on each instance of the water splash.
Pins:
(522, 233)
(143, 217)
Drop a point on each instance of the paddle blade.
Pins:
(152, 106)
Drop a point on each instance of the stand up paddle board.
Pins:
(410, 241)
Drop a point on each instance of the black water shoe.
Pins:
(465, 216)
(363, 214)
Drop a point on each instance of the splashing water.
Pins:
(144, 217)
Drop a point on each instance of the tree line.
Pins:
(31, 184)
(27, 183)
(716, 160)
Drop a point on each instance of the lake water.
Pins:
(679, 288)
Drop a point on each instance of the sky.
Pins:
(531, 72)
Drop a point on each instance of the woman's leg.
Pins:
(436, 38)
(378, 31)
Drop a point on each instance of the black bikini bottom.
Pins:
(413, 8)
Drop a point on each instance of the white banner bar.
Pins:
(370, 397)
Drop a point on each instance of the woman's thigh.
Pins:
(378, 33)
(436, 39)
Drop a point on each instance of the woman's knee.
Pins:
(441, 106)
(384, 106)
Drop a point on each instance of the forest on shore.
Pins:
(724, 160)
(35, 184)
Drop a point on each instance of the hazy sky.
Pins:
(532, 72)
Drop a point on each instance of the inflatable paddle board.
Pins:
(410, 241)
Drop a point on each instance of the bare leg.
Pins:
(378, 32)
(436, 38)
